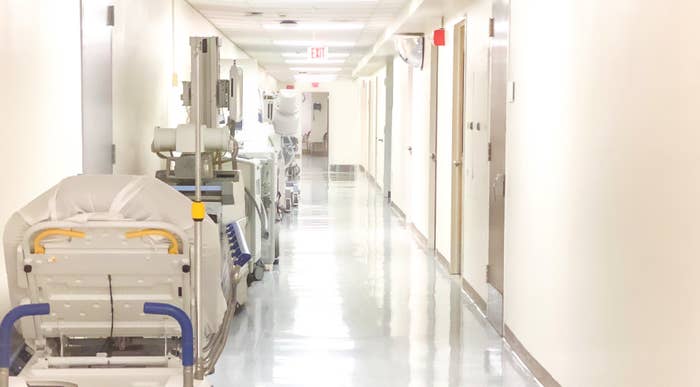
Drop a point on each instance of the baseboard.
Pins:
(350, 168)
(541, 374)
(474, 295)
(443, 261)
(371, 180)
(398, 211)
(422, 240)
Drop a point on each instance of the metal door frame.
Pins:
(457, 152)
(432, 151)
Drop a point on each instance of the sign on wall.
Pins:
(317, 53)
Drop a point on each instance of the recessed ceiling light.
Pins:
(316, 69)
(305, 55)
(310, 43)
(315, 62)
(315, 77)
(296, 26)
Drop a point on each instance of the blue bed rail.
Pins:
(240, 253)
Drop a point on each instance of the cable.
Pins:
(263, 218)
(109, 343)
(111, 305)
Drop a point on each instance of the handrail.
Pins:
(39, 249)
(174, 246)
(187, 335)
(6, 327)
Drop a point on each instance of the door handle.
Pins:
(433, 156)
(499, 178)
(380, 139)
(457, 163)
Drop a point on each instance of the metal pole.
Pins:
(196, 82)
(187, 376)
(4, 377)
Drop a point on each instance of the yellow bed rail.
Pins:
(39, 248)
(174, 245)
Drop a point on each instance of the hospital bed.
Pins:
(95, 249)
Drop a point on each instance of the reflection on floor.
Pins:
(355, 302)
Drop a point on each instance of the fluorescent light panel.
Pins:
(311, 43)
(316, 69)
(305, 55)
(315, 77)
(314, 61)
(301, 26)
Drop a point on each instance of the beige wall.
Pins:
(344, 127)
(150, 50)
(602, 209)
(411, 128)
(40, 101)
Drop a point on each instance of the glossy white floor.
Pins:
(355, 302)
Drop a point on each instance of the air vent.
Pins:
(288, 22)
(254, 13)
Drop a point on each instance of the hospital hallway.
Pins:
(350, 193)
(356, 302)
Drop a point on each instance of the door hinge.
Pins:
(110, 15)
(488, 267)
(504, 185)
(489, 151)
(492, 27)
(114, 154)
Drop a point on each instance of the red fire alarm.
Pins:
(290, 87)
(439, 37)
(315, 84)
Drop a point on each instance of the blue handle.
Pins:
(9, 321)
(185, 326)
(243, 251)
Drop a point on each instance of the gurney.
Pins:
(96, 249)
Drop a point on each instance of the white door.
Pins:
(381, 127)
(372, 129)
(476, 164)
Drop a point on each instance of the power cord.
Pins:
(108, 345)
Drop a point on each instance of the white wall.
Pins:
(420, 141)
(602, 210)
(363, 86)
(40, 101)
(344, 141)
(151, 57)
(142, 81)
(411, 128)
(318, 123)
(400, 136)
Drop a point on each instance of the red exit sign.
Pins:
(318, 53)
